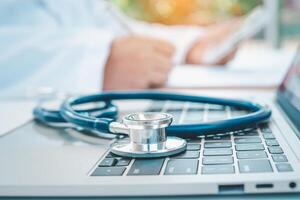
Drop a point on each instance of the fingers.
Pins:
(160, 71)
(159, 45)
(228, 57)
(158, 79)
(137, 63)
(196, 53)
(224, 28)
(157, 67)
(164, 47)
(215, 35)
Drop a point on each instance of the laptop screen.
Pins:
(288, 94)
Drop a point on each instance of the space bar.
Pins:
(146, 167)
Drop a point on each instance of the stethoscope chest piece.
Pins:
(147, 137)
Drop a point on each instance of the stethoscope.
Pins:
(150, 133)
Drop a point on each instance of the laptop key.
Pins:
(175, 105)
(246, 133)
(217, 152)
(265, 128)
(193, 116)
(279, 158)
(187, 154)
(216, 115)
(214, 107)
(217, 144)
(196, 106)
(176, 115)
(108, 171)
(254, 166)
(110, 155)
(272, 142)
(156, 106)
(181, 167)
(123, 162)
(284, 167)
(218, 137)
(215, 160)
(247, 140)
(108, 162)
(235, 113)
(146, 167)
(251, 154)
(275, 150)
(268, 136)
(249, 147)
(218, 169)
(193, 140)
(193, 147)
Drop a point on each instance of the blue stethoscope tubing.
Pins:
(67, 114)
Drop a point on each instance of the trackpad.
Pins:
(37, 154)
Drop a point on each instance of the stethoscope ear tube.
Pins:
(47, 116)
(54, 119)
(223, 126)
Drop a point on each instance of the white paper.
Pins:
(191, 76)
(254, 66)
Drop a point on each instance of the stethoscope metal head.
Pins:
(147, 136)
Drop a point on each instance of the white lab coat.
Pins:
(51, 46)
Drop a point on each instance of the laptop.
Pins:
(36, 160)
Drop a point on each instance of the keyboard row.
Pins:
(195, 112)
(190, 167)
(217, 157)
(214, 161)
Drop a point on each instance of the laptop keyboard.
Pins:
(255, 150)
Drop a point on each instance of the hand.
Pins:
(137, 62)
(215, 35)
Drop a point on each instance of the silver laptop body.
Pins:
(36, 160)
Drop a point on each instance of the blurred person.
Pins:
(38, 38)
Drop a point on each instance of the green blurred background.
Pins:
(207, 12)
(200, 12)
